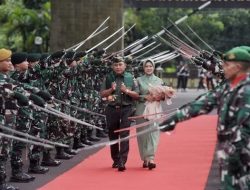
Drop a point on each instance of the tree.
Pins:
(220, 28)
(21, 25)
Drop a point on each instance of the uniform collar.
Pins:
(237, 80)
(119, 75)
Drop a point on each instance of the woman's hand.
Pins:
(149, 98)
(170, 92)
(158, 97)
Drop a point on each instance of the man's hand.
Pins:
(45, 95)
(22, 100)
(124, 88)
(37, 100)
(113, 86)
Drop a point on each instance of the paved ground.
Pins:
(181, 98)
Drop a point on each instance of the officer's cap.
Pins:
(19, 57)
(237, 54)
(4, 54)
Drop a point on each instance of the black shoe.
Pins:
(115, 165)
(63, 156)
(101, 135)
(145, 164)
(93, 139)
(121, 167)
(21, 178)
(6, 186)
(51, 162)
(70, 152)
(151, 166)
(38, 170)
(78, 146)
(87, 142)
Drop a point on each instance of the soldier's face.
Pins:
(148, 68)
(6, 65)
(231, 69)
(119, 68)
(32, 64)
(23, 66)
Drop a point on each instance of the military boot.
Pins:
(6, 186)
(21, 177)
(91, 137)
(48, 161)
(77, 144)
(36, 168)
(60, 154)
(101, 134)
(3, 184)
(87, 142)
(17, 173)
(84, 138)
(70, 151)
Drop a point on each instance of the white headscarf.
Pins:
(149, 60)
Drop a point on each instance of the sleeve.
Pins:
(203, 104)
(103, 86)
(243, 119)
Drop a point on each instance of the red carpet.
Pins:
(183, 161)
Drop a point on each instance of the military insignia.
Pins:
(231, 56)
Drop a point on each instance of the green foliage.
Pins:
(220, 28)
(20, 25)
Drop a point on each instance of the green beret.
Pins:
(33, 57)
(69, 55)
(57, 55)
(246, 48)
(79, 55)
(237, 54)
(17, 58)
(44, 56)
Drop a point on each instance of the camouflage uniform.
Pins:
(38, 125)
(7, 118)
(55, 124)
(23, 124)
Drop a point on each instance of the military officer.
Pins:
(119, 88)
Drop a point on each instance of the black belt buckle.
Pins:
(117, 107)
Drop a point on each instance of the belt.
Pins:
(6, 111)
(224, 137)
(118, 106)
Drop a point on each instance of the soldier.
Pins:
(231, 98)
(68, 88)
(23, 120)
(76, 99)
(5, 67)
(52, 82)
(119, 88)
(38, 124)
